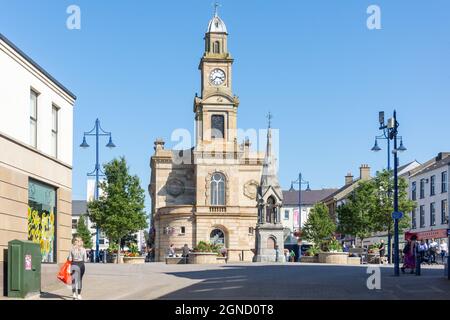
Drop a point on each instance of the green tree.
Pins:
(84, 233)
(319, 226)
(120, 209)
(384, 205)
(355, 216)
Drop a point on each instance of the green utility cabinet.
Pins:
(24, 268)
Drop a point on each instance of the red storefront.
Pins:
(432, 234)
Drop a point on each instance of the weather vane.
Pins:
(216, 8)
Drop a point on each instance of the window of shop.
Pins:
(432, 214)
(422, 216)
(444, 182)
(42, 218)
(433, 186)
(444, 215)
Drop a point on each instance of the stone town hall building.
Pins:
(209, 193)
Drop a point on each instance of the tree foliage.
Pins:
(120, 209)
(355, 216)
(319, 225)
(369, 207)
(84, 233)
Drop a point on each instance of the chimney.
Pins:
(348, 179)
(364, 172)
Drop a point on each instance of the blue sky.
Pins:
(313, 64)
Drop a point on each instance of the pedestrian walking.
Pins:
(382, 249)
(286, 254)
(78, 257)
(433, 249)
(410, 255)
(423, 249)
(443, 249)
(292, 256)
(171, 251)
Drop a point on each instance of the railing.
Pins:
(218, 209)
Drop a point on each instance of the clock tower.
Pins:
(216, 109)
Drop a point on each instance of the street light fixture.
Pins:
(388, 129)
(390, 132)
(300, 182)
(97, 132)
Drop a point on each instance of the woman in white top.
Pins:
(78, 257)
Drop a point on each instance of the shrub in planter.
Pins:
(204, 247)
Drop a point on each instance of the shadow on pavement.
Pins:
(48, 295)
(307, 282)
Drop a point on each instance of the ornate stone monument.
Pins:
(269, 230)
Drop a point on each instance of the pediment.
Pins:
(218, 98)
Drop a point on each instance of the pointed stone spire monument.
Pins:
(269, 230)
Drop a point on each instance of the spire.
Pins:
(216, 9)
(269, 178)
(216, 24)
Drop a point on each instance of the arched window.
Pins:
(271, 211)
(218, 189)
(216, 47)
(217, 237)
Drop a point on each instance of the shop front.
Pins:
(42, 218)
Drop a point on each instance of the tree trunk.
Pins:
(118, 252)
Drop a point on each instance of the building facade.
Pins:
(289, 212)
(36, 124)
(208, 193)
(428, 186)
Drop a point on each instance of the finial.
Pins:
(216, 8)
(269, 118)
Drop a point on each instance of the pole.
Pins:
(389, 193)
(396, 231)
(97, 168)
(300, 212)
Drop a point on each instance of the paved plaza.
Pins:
(252, 282)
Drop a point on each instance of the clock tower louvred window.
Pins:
(217, 127)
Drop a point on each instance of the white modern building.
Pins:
(79, 208)
(429, 188)
(289, 211)
(36, 124)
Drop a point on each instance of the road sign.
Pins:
(397, 215)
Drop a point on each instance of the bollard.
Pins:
(418, 264)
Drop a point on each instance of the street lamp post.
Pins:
(300, 182)
(390, 131)
(97, 132)
(387, 136)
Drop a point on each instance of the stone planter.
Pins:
(134, 260)
(112, 258)
(333, 257)
(203, 258)
(308, 259)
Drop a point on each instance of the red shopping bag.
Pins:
(64, 273)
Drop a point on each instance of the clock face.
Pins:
(217, 77)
